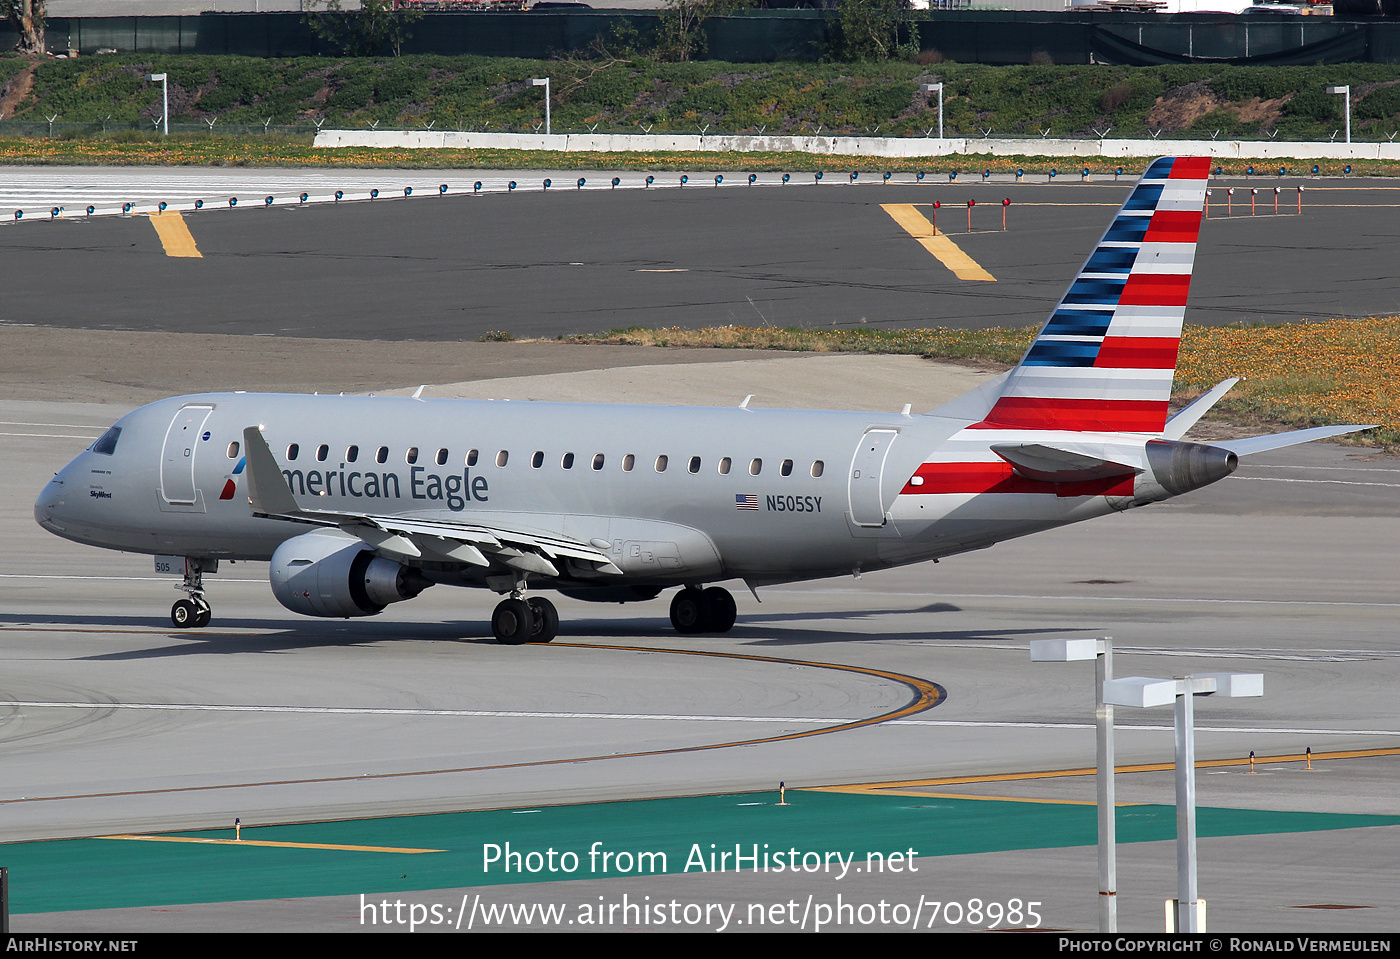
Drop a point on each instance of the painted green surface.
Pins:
(105, 873)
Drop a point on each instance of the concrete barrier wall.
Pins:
(874, 147)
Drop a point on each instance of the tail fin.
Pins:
(1105, 359)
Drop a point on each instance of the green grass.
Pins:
(476, 93)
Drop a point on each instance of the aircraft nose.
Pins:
(49, 508)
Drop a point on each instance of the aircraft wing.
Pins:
(472, 543)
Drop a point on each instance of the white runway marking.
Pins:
(1283, 479)
(1080, 598)
(663, 717)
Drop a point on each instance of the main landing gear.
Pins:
(695, 610)
(518, 620)
(194, 611)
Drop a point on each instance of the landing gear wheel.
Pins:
(720, 610)
(513, 622)
(688, 611)
(202, 612)
(184, 614)
(546, 620)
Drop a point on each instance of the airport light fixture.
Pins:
(164, 100)
(1345, 91)
(543, 82)
(1101, 651)
(930, 88)
(1142, 692)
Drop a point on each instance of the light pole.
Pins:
(1142, 691)
(930, 88)
(1101, 651)
(164, 100)
(1345, 91)
(544, 82)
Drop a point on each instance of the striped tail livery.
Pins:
(1105, 358)
(1081, 427)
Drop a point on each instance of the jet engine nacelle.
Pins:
(330, 573)
(1176, 467)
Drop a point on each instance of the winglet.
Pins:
(268, 491)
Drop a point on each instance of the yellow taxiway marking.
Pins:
(914, 794)
(916, 225)
(910, 787)
(280, 845)
(174, 234)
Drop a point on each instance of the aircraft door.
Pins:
(867, 472)
(177, 459)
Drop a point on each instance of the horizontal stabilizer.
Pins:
(1052, 464)
(1182, 420)
(1259, 444)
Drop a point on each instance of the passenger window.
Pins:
(661, 463)
(471, 457)
(412, 455)
(107, 443)
(724, 465)
(598, 461)
(292, 451)
(537, 460)
(786, 469)
(568, 461)
(628, 462)
(442, 458)
(755, 466)
(382, 456)
(233, 450)
(322, 452)
(694, 465)
(352, 453)
(502, 457)
(817, 467)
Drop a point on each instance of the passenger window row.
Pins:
(566, 461)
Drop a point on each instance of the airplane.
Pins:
(358, 502)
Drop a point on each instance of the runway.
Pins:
(431, 267)
(112, 722)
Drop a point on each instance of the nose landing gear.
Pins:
(194, 611)
(190, 612)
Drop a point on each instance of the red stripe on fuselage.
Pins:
(998, 477)
(1104, 416)
(1138, 352)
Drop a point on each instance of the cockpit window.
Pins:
(107, 443)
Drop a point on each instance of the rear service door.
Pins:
(867, 471)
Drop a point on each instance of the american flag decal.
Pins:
(746, 501)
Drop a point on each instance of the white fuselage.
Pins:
(677, 494)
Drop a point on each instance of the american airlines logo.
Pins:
(454, 489)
